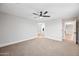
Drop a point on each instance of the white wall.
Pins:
(13, 28)
(54, 29)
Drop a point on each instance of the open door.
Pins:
(41, 29)
(70, 32)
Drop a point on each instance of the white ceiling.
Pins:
(56, 10)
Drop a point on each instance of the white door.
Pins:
(70, 32)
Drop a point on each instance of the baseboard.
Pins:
(53, 38)
(7, 44)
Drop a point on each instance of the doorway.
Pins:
(70, 32)
(41, 29)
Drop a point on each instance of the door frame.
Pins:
(75, 33)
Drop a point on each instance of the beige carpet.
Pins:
(41, 47)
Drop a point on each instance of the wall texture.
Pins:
(14, 28)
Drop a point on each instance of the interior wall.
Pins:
(53, 29)
(14, 28)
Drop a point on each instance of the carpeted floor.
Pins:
(41, 47)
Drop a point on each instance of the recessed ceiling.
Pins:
(55, 10)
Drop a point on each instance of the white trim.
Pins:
(53, 38)
(10, 43)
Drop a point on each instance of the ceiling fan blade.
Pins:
(35, 14)
(46, 16)
(45, 12)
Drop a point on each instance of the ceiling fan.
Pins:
(42, 14)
